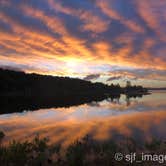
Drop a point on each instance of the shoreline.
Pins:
(11, 104)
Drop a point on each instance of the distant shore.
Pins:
(20, 91)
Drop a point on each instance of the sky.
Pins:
(109, 41)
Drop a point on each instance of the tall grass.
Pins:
(84, 152)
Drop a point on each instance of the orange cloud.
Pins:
(90, 19)
(71, 40)
(106, 8)
(90, 22)
(153, 13)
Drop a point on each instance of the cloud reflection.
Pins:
(103, 120)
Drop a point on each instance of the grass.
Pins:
(84, 152)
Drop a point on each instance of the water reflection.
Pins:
(141, 118)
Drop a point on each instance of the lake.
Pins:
(141, 118)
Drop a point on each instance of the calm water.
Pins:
(141, 118)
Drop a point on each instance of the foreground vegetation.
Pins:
(86, 152)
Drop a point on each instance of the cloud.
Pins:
(153, 14)
(46, 35)
(89, 19)
(115, 11)
(10, 68)
(137, 74)
(90, 22)
(114, 78)
(92, 77)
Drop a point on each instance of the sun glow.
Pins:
(72, 64)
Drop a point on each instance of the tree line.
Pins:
(14, 83)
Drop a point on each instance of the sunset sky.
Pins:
(106, 41)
